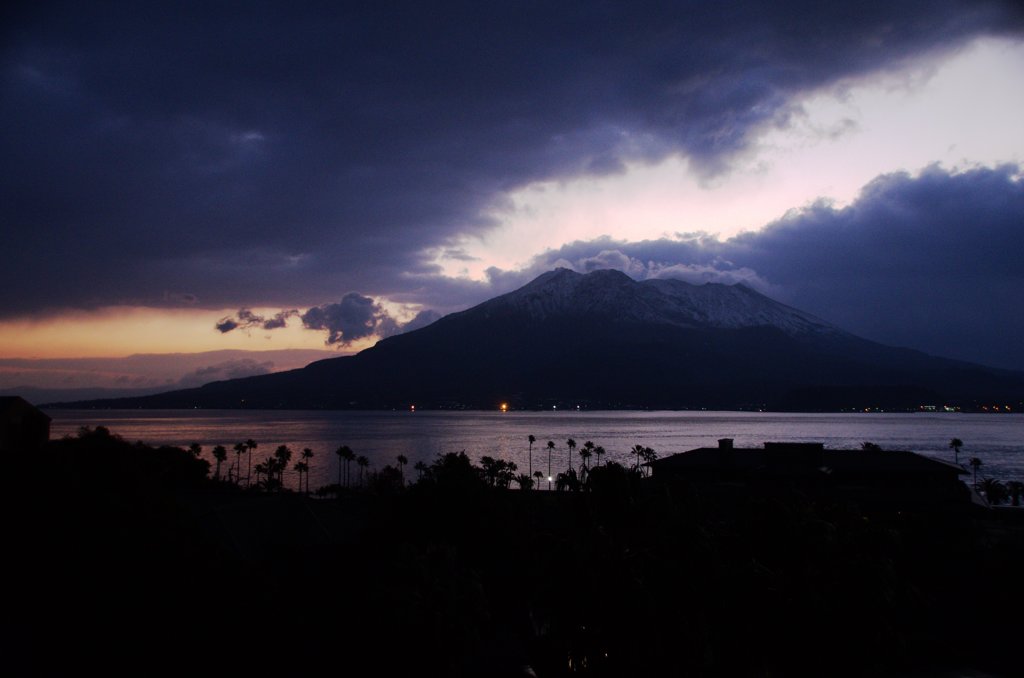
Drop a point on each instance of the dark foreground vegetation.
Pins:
(129, 559)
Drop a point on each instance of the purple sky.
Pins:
(335, 172)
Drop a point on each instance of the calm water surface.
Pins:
(998, 440)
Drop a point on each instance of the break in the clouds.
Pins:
(932, 262)
(278, 155)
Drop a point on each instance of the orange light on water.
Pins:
(504, 407)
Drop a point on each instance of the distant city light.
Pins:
(412, 408)
(504, 407)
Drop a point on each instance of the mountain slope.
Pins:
(603, 340)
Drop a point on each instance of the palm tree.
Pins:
(362, 462)
(648, 455)
(402, 461)
(345, 454)
(525, 481)
(975, 464)
(263, 468)
(637, 450)
(955, 444)
(538, 476)
(571, 444)
(220, 453)
(532, 440)
(307, 454)
(598, 452)
(283, 455)
(300, 468)
(239, 451)
(420, 468)
(250, 445)
(551, 446)
(585, 453)
(196, 449)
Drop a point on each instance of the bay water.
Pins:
(996, 439)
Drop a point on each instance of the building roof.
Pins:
(18, 404)
(778, 456)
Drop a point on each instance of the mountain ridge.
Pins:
(603, 340)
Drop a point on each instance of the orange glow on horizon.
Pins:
(125, 330)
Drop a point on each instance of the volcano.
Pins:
(602, 340)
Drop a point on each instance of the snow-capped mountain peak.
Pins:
(614, 295)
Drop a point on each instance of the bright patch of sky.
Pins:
(961, 111)
(121, 331)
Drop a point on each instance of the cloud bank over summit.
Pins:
(922, 261)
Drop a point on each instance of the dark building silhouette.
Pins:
(22, 425)
(870, 478)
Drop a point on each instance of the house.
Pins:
(869, 478)
(22, 425)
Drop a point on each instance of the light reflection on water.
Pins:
(998, 440)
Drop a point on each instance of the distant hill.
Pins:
(602, 340)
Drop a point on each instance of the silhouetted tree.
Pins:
(283, 454)
(362, 462)
(585, 453)
(567, 481)
(525, 481)
(420, 469)
(955, 444)
(300, 468)
(648, 455)
(975, 465)
(250, 445)
(497, 472)
(454, 472)
(599, 452)
(537, 477)
(220, 453)
(263, 468)
(637, 450)
(239, 451)
(346, 455)
(195, 449)
(307, 456)
(532, 440)
(402, 461)
(571, 444)
(870, 447)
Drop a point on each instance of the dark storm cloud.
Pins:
(246, 320)
(926, 262)
(354, 317)
(276, 155)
